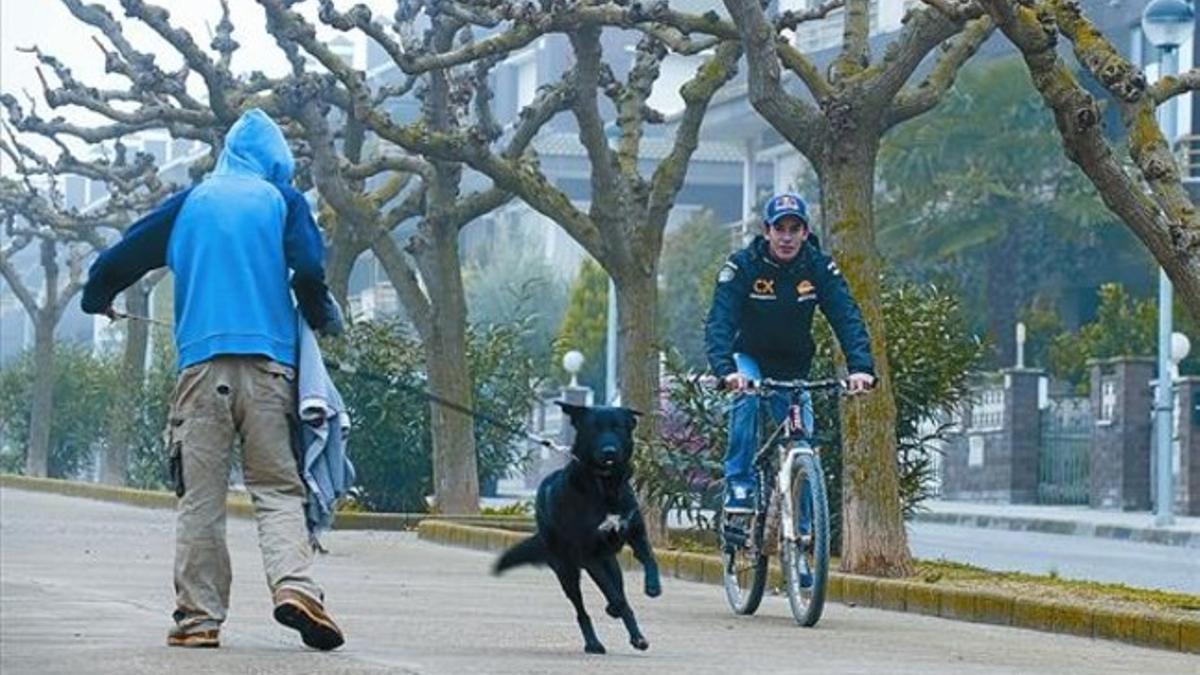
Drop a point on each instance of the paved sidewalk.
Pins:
(85, 588)
(1069, 520)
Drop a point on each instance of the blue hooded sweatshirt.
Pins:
(230, 242)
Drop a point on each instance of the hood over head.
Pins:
(255, 146)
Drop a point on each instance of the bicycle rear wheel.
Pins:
(744, 563)
(805, 558)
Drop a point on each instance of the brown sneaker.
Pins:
(180, 637)
(300, 611)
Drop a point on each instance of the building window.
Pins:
(988, 414)
(815, 36)
(975, 447)
(1108, 400)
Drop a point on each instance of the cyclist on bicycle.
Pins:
(760, 325)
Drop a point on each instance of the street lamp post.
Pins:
(611, 396)
(1166, 24)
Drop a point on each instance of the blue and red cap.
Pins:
(786, 204)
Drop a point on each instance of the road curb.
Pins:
(1142, 629)
(1145, 535)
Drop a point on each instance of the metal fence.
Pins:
(1063, 476)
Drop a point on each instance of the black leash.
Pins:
(394, 382)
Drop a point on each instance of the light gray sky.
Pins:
(49, 25)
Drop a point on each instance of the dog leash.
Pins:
(446, 403)
(117, 314)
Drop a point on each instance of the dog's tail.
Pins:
(531, 551)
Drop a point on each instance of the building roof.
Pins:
(566, 144)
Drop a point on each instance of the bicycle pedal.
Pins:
(735, 538)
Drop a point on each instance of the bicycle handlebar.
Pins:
(791, 385)
(805, 385)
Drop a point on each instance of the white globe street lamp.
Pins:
(572, 362)
(1181, 346)
(1167, 24)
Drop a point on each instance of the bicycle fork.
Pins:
(788, 457)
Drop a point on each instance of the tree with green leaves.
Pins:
(692, 255)
(1124, 326)
(516, 281)
(79, 422)
(584, 326)
(979, 191)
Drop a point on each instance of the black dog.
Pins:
(586, 513)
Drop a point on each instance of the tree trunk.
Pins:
(455, 467)
(637, 358)
(38, 459)
(874, 540)
(133, 376)
(340, 257)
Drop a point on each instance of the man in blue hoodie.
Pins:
(230, 242)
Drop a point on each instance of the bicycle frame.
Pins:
(791, 437)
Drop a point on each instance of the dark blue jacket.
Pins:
(764, 309)
(230, 243)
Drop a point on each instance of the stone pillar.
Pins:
(995, 459)
(1187, 477)
(1120, 460)
(1022, 432)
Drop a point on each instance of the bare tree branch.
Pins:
(929, 93)
(854, 57)
(926, 29)
(14, 280)
(605, 179)
(1171, 86)
(798, 121)
(697, 93)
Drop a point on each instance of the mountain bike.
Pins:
(791, 512)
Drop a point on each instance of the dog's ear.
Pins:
(631, 416)
(573, 411)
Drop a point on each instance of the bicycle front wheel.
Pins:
(805, 557)
(744, 564)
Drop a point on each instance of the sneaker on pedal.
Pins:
(806, 577)
(739, 499)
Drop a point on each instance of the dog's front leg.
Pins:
(568, 578)
(607, 575)
(640, 543)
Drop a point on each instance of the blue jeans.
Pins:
(743, 423)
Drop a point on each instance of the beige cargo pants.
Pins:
(250, 398)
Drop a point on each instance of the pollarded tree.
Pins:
(837, 124)
(33, 211)
(623, 228)
(426, 272)
(369, 191)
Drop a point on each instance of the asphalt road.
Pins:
(1175, 568)
(85, 587)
